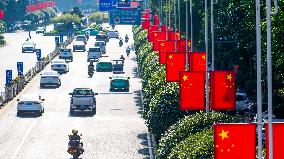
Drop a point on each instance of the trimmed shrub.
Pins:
(188, 126)
(197, 146)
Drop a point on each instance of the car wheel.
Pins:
(23, 51)
(42, 110)
(72, 111)
(41, 85)
(18, 113)
(74, 50)
(58, 85)
(40, 113)
(127, 89)
(94, 111)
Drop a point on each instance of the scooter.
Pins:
(75, 148)
(127, 51)
(90, 73)
(120, 43)
(126, 40)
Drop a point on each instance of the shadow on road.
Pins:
(135, 72)
(138, 101)
(82, 114)
(144, 142)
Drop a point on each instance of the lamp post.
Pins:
(30, 24)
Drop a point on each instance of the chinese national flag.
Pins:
(164, 28)
(34, 7)
(156, 19)
(182, 45)
(2, 14)
(146, 24)
(197, 61)
(172, 35)
(191, 85)
(145, 16)
(165, 46)
(278, 140)
(150, 30)
(235, 141)
(158, 36)
(223, 90)
(174, 65)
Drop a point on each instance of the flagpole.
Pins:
(259, 93)
(186, 36)
(269, 72)
(161, 14)
(169, 6)
(212, 34)
(179, 17)
(191, 26)
(206, 45)
(167, 36)
(175, 12)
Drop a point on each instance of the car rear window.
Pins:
(119, 82)
(94, 49)
(99, 44)
(83, 92)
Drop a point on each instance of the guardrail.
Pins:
(19, 83)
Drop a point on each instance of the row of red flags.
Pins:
(238, 141)
(172, 52)
(231, 141)
(40, 6)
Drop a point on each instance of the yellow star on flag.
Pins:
(155, 34)
(162, 44)
(170, 56)
(203, 57)
(229, 77)
(189, 44)
(184, 77)
(224, 134)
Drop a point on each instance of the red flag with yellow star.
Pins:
(197, 61)
(278, 140)
(146, 24)
(150, 32)
(164, 28)
(222, 90)
(165, 46)
(172, 35)
(191, 87)
(175, 63)
(234, 141)
(158, 36)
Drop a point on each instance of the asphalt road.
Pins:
(12, 52)
(117, 131)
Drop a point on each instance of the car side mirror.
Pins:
(96, 93)
(110, 77)
(81, 135)
(128, 77)
(42, 99)
(70, 93)
(18, 99)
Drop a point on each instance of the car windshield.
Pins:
(240, 98)
(83, 92)
(65, 50)
(99, 44)
(105, 64)
(119, 82)
(118, 62)
(94, 49)
(40, 28)
(28, 43)
(49, 73)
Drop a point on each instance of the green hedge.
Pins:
(188, 126)
(197, 146)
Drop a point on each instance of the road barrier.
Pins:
(19, 83)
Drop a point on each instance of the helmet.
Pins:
(74, 131)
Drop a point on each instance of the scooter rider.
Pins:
(122, 58)
(126, 38)
(75, 136)
(120, 41)
(128, 50)
(91, 66)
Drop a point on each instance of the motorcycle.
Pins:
(126, 39)
(127, 51)
(90, 71)
(120, 43)
(75, 148)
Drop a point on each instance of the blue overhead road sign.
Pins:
(130, 16)
(20, 68)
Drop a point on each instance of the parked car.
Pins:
(66, 54)
(79, 45)
(102, 45)
(81, 38)
(50, 78)
(94, 53)
(119, 83)
(104, 65)
(28, 46)
(40, 30)
(29, 103)
(83, 99)
(61, 66)
(113, 34)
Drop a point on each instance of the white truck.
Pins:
(83, 99)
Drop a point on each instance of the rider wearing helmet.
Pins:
(74, 135)
(91, 66)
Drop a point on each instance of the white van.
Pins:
(94, 53)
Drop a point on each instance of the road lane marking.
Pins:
(16, 152)
(115, 93)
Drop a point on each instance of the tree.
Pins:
(76, 11)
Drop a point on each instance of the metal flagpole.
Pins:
(167, 36)
(269, 72)
(186, 36)
(179, 17)
(169, 7)
(212, 34)
(191, 26)
(259, 93)
(206, 45)
(175, 13)
(161, 14)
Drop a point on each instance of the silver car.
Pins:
(50, 78)
(30, 103)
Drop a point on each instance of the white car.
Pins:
(113, 34)
(29, 103)
(50, 78)
(61, 66)
(79, 45)
(102, 45)
(40, 30)
(66, 54)
(28, 46)
(94, 53)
